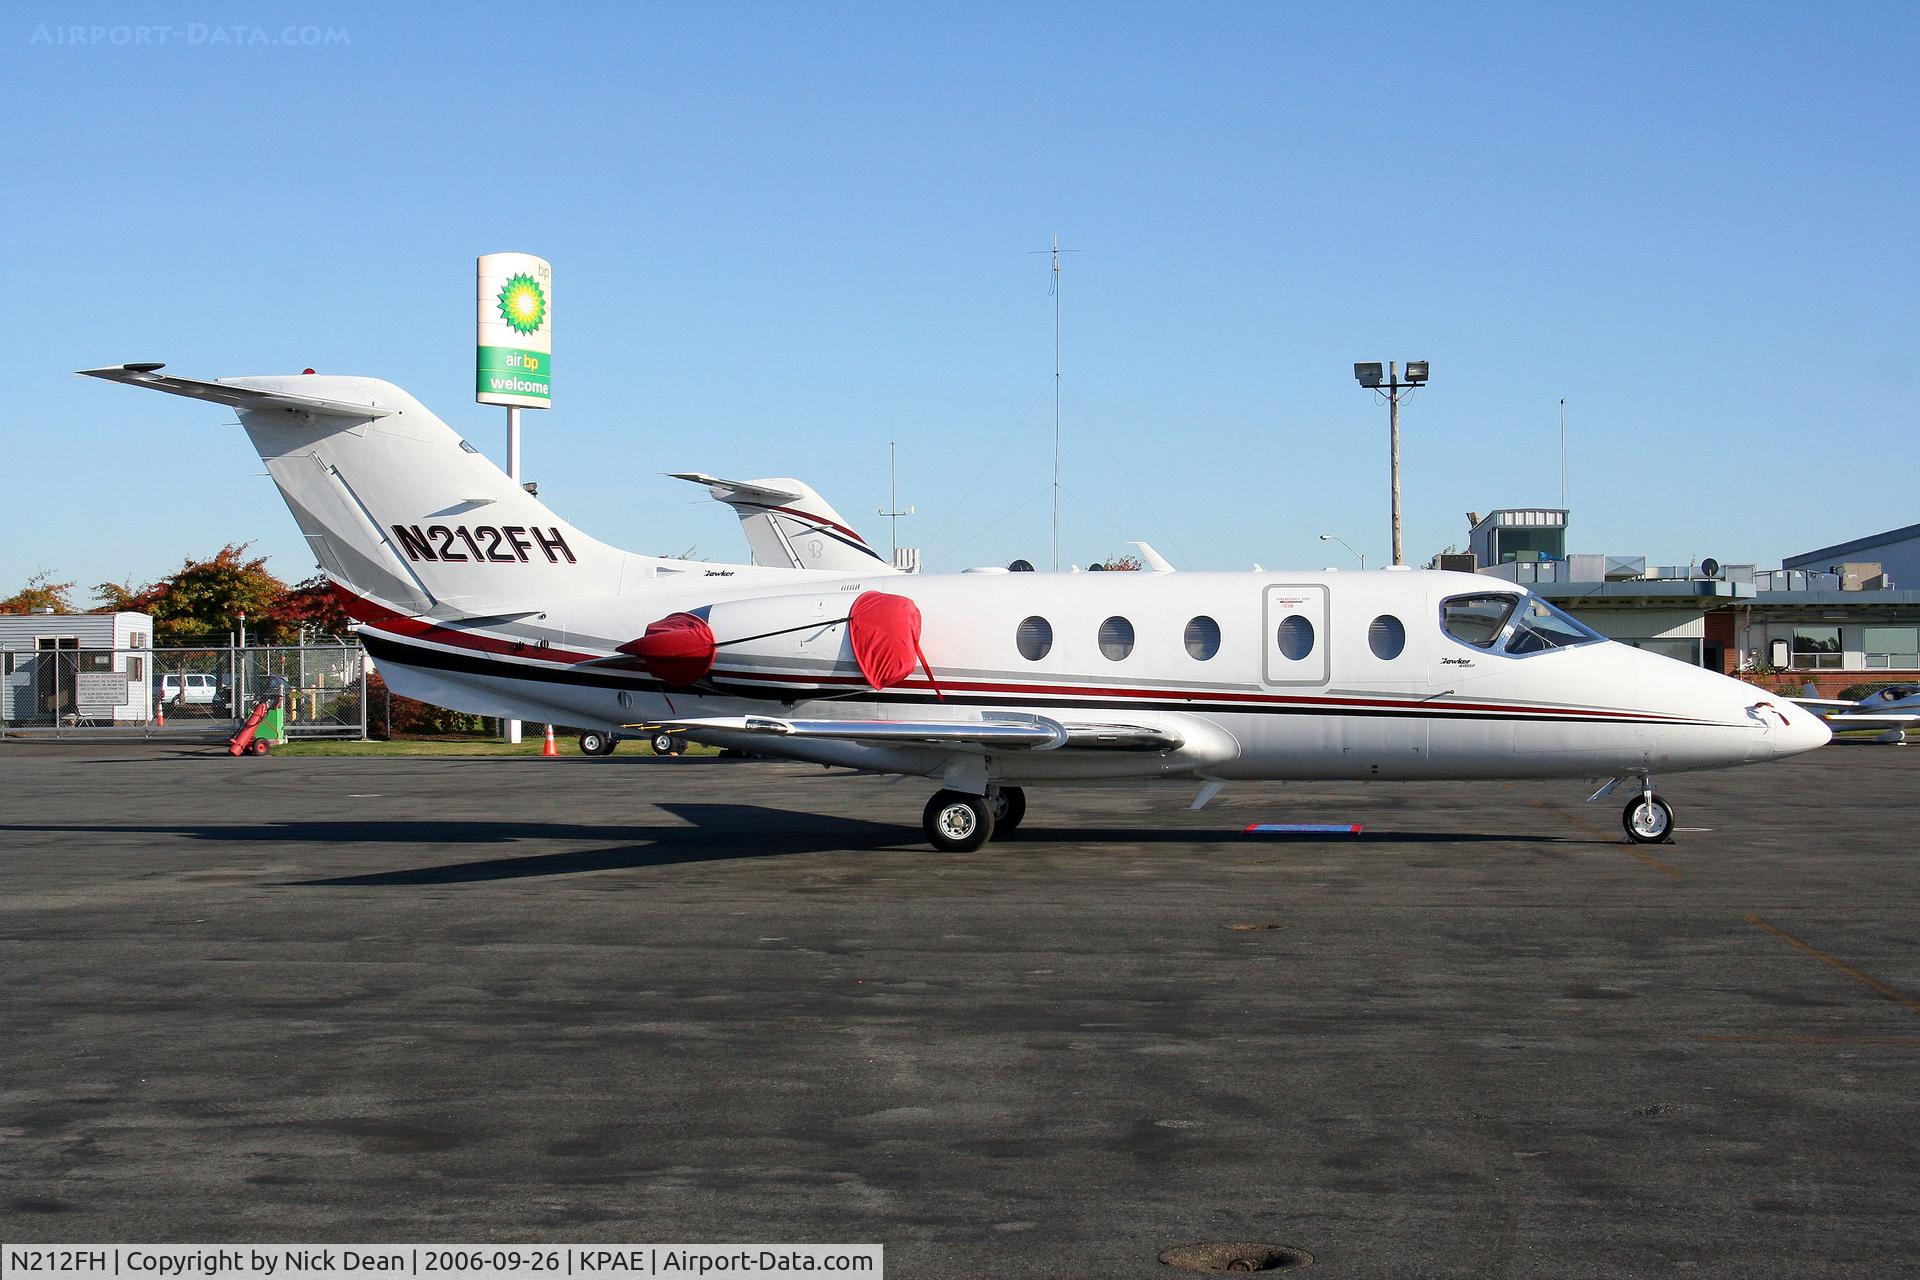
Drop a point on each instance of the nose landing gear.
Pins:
(1648, 819)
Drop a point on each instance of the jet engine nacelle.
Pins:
(820, 640)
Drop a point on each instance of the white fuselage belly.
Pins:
(1437, 709)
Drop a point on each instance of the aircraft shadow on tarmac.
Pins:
(713, 833)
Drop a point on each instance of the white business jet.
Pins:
(473, 595)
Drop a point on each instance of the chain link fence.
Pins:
(65, 691)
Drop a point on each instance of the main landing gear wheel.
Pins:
(1648, 819)
(595, 743)
(957, 822)
(665, 744)
(1009, 805)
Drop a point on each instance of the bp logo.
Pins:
(522, 305)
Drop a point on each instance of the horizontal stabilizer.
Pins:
(231, 393)
(723, 489)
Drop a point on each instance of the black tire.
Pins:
(1009, 807)
(596, 742)
(1648, 820)
(258, 747)
(665, 744)
(956, 822)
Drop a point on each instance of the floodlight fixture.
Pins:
(1389, 382)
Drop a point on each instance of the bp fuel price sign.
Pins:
(514, 352)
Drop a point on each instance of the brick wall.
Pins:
(1720, 632)
(1827, 684)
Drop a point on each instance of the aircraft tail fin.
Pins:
(790, 526)
(399, 510)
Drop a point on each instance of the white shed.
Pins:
(76, 668)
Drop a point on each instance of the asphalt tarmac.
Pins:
(636, 999)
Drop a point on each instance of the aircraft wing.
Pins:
(1035, 734)
(148, 375)
(1823, 702)
(1872, 717)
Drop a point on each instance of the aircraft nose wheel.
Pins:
(956, 822)
(1648, 819)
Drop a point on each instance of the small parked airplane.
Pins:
(472, 595)
(1893, 710)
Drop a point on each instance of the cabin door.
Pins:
(1297, 639)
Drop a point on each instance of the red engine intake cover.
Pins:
(676, 650)
(885, 631)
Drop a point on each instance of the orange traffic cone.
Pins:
(547, 748)
(160, 713)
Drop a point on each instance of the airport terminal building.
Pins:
(1838, 616)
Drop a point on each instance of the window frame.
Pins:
(1218, 637)
(1493, 644)
(1400, 650)
(1044, 652)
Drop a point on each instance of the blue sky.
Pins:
(784, 234)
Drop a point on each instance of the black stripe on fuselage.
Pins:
(386, 648)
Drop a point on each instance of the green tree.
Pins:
(39, 593)
(202, 600)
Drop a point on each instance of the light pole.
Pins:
(1368, 376)
(1334, 537)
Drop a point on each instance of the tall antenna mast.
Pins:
(1563, 452)
(1056, 401)
(1054, 289)
(893, 497)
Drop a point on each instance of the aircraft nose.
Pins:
(1803, 731)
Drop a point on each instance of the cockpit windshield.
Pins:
(1530, 624)
(1476, 620)
(1538, 626)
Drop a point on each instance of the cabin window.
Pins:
(1034, 638)
(1203, 638)
(1116, 638)
(1387, 637)
(1476, 620)
(1295, 637)
(1538, 626)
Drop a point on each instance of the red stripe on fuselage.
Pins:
(378, 616)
